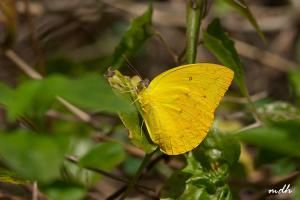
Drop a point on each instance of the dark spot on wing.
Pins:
(190, 78)
(204, 96)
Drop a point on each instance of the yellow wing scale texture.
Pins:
(178, 106)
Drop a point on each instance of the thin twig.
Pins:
(61, 116)
(167, 46)
(265, 57)
(35, 191)
(254, 125)
(243, 100)
(117, 193)
(22, 65)
(73, 160)
(77, 111)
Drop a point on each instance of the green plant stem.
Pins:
(194, 15)
(141, 168)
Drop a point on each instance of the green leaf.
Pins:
(266, 156)
(31, 99)
(283, 167)
(91, 92)
(105, 156)
(218, 147)
(191, 192)
(218, 43)
(137, 136)
(242, 7)
(94, 93)
(139, 31)
(194, 17)
(282, 137)
(33, 156)
(175, 186)
(197, 182)
(131, 165)
(79, 146)
(204, 176)
(64, 191)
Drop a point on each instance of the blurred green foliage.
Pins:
(104, 156)
(40, 95)
(284, 134)
(33, 156)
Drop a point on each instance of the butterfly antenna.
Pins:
(143, 121)
(131, 66)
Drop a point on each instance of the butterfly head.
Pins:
(118, 81)
(138, 84)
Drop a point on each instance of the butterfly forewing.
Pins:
(179, 104)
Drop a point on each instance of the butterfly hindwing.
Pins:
(179, 104)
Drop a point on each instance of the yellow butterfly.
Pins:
(178, 106)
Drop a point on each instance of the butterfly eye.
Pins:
(146, 82)
(109, 73)
(142, 85)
